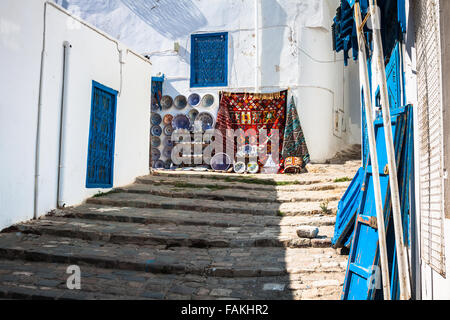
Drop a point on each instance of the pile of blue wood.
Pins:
(356, 224)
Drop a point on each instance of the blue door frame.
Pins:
(100, 162)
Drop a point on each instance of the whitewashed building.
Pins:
(64, 83)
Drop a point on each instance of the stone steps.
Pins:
(215, 262)
(189, 218)
(175, 235)
(125, 199)
(220, 184)
(40, 280)
(197, 192)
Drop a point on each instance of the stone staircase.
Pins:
(186, 235)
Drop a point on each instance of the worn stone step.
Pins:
(183, 217)
(193, 192)
(40, 280)
(217, 262)
(125, 199)
(219, 184)
(176, 235)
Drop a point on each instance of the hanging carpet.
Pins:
(295, 151)
(256, 111)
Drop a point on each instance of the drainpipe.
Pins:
(63, 124)
(39, 120)
(257, 47)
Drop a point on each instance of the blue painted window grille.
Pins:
(100, 164)
(209, 60)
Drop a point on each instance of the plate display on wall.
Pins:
(155, 119)
(203, 122)
(156, 131)
(193, 113)
(168, 119)
(180, 102)
(166, 102)
(156, 154)
(168, 130)
(221, 162)
(194, 99)
(180, 122)
(239, 167)
(167, 152)
(156, 142)
(207, 100)
(159, 164)
(252, 167)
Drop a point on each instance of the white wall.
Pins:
(296, 42)
(93, 57)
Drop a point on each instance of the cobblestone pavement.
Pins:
(186, 235)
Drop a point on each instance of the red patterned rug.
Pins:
(255, 111)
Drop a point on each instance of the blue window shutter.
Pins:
(209, 60)
(100, 163)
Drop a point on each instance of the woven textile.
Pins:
(294, 143)
(256, 111)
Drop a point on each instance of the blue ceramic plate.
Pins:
(156, 154)
(239, 167)
(168, 130)
(166, 102)
(180, 122)
(180, 102)
(192, 115)
(167, 152)
(155, 119)
(156, 131)
(221, 162)
(159, 164)
(168, 142)
(207, 100)
(194, 99)
(156, 142)
(204, 121)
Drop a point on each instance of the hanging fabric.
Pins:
(295, 151)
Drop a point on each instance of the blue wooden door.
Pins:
(393, 77)
(363, 258)
(100, 164)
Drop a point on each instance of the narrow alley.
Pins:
(186, 235)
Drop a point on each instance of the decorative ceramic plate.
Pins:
(180, 102)
(167, 164)
(159, 164)
(252, 167)
(167, 152)
(155, 119)
(168, 119)
(194, 99)
(166, 102)
(207, 100)
(192, 115)
(168, 130)
(156, 142)
(180, 122)
(155, 106)
(239, 167)
(203, 122)
(156, 154)
(168, 142)
(221, 162)
(156, 131)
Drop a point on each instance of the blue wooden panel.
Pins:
(209, 60)
(363, 256)
(393, 69)
(347, 211)
(100, 164)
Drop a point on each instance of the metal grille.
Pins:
(101, 138)
(209, 60)
(431, 133)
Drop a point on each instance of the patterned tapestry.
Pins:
(294, 145)
(257, 111)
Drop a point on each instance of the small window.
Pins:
(209, 60)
